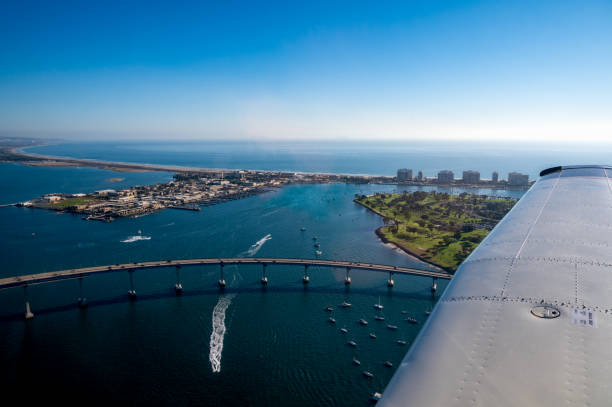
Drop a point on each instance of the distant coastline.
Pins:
(16, 153)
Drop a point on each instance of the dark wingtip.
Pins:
(550, 170)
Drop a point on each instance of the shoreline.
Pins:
(39, 160)
(405, 250)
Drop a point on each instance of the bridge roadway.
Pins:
(53, 276)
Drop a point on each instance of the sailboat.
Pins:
(379, 305)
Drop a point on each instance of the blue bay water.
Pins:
(278, 347)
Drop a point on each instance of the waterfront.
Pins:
(162, 342)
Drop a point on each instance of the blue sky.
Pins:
(406, 70)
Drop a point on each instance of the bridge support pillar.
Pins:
(305, 279)
(434, 285)
(221, 279)
(178, 287)
(264, 278)
(82, 301)
(390, 282)
(131, 291)
(347, 279)
(28, 311)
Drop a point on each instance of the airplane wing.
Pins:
(527, 319)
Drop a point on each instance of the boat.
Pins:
(329, 309)
(404, 312)
(332, 320)
(345, 304)
(411, 320)
(379, 318)
(375, 398)
(388, 364)
(356, 362)
(400, 342)
(372, 335)
(379, 305)
(367, 374)
(343, 330)
(317, 245)
(352, 343)
(392, 327)
(363, 321)
(427, 312)
(318, 252)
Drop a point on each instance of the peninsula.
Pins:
(11, 150)
(439, 228)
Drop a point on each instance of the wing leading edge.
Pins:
(484, 345)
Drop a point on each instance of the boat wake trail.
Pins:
(136, 238)
(218, 332)
(255, 248)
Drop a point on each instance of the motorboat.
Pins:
(356, 362)
(411, 320)
(392, 327)
(379, 318)
(375, 398)
(352, 343)
(343, 330)
(367, 374)
(332, 320)
(401, 342)
(329, 309)
(345, 304)
(372, 335)
(388, 364)
(363, 321)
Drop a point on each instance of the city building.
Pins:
(471, 177)
(517, 179)
(445, 177)
(420, 176)
(404, 174)
(495, 177)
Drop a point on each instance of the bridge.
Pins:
(80, 273)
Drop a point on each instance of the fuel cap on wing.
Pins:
(545, 311)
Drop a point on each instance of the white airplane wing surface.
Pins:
(527, 318)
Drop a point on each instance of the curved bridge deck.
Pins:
(53, 276)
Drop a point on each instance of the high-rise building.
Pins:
(420, 176)
(445, 177)
(471, 177)
(495, 177)
(404, 174)
(517, 179)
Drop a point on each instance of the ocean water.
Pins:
(377, 158)
(246, 346)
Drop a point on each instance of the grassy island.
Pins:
(439, 228)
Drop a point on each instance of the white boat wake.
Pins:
(136, 238)
(218, 332)
(255, 248)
